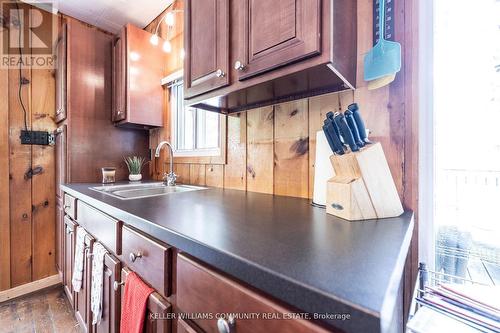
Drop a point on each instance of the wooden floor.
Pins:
(47, 311)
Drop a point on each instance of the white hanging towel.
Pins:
(77, 277)
(97, 277)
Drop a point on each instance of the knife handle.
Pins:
(359, 121)
(354, 128)
(346, 132)
(330, 115)
(336, 145)
(329, 138)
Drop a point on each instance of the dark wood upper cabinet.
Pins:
(206, 41)
(278, 51)
(61, 52)
(277, 33)
(138, 67)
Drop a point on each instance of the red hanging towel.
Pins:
(134, 304)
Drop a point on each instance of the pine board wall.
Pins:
(27, 205)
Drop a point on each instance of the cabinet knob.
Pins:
(133, 256)
(69, 231)
(226, 326)
(66, 206)
(220, 73)
(119, 112)
(117, 285)
(238, 65)
(58, 130)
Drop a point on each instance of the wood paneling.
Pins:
(235, 169)
(4, 182)
(43, 185)
(260, 150)
(20, 186)
(291, 156)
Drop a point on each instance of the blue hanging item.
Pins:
(385, 57)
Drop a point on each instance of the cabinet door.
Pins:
(277, 33)
(60, 229)
(69, 256)
(110, 321)
(82, 297)
(61, 74)
(61, 160)
(184, 327)
(206, 39)
(157, 311)
(119, 79)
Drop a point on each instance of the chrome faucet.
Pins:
(168, 178)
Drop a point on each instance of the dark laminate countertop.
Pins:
(280, 245)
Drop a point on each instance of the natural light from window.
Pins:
(467, 138)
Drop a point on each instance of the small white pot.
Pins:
(135, 178)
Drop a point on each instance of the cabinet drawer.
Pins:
(104, 228)
(202, 290)
(148, 258)
(70, 206)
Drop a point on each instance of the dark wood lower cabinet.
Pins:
(69, 257)
(184, 327)
(82, 297)
(110, 321)
(157, 311)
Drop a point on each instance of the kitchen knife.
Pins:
(354, 128)
(346, 131)
(359, 122)
(332, 138)
(330, 115)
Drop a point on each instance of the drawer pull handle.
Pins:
(226, 326)
(238, 65)
(69, 231)
(220, 73)
(117, 285)
(133, 256)
(67, 206)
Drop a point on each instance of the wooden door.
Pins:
(110, 321)
(277, 33)
(157, 311)
(60, 229)
(61, 159)
(69, 256)
(61, 65)
(206, 39)
(119, 78)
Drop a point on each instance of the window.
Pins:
(466, 145)
(195, 132)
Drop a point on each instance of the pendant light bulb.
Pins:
(169, 19)
(154, 39)
(167, 47)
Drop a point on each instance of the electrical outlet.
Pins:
(35, 138)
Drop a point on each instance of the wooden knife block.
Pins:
(362, 187)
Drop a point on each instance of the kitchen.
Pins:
(226, 166)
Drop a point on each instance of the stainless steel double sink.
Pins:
(146, 190)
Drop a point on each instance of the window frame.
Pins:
(197, 155)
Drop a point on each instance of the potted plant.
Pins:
(135, 165)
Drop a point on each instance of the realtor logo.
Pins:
(27, 35)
